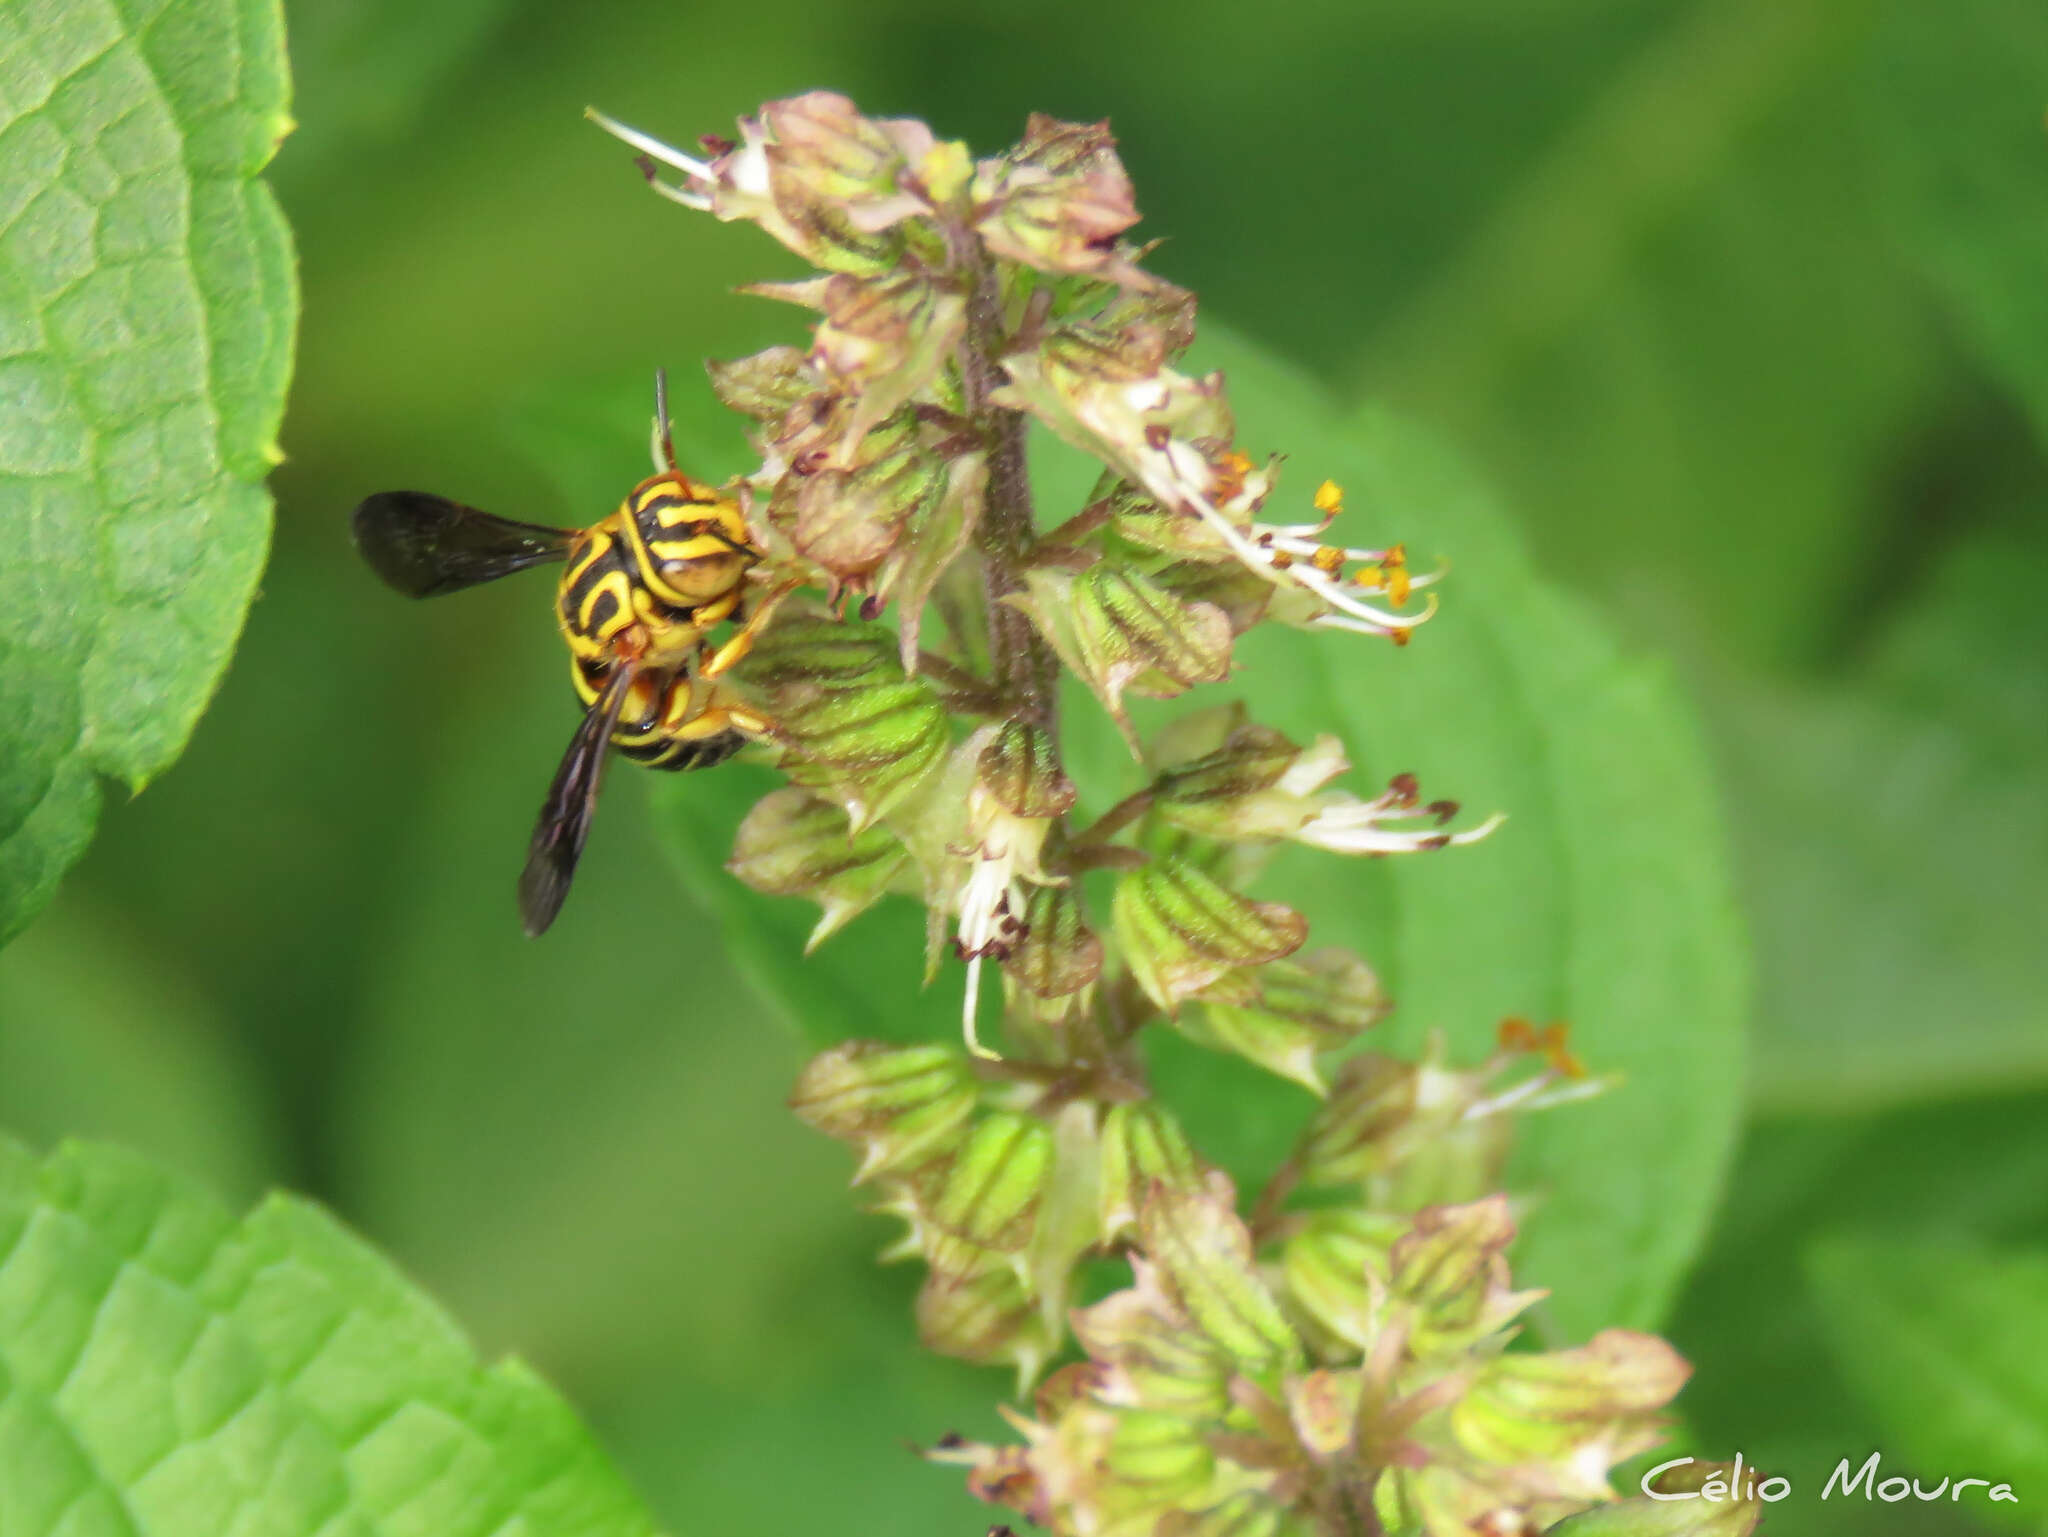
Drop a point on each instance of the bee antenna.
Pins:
(664, 434)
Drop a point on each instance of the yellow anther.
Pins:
(1231, 470)
(1329, 498)
(1550, 1042)
(1563, 1060)
(1327, 559)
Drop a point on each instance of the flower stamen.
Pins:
(652, 147)
(1274, 547)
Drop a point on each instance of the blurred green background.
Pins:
(1732, 298)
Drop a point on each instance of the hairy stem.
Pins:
(1026, 671)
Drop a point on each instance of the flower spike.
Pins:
(1331, 1354)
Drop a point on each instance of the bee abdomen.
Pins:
(678, 754)
(655, 727)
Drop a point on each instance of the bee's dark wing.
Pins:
(565, 815)
(426, 545)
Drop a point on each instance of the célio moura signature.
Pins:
(1740, 1483)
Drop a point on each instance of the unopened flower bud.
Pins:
(847, 518)
(1244, 597)
(1020, 767)
(822, 179)
(824, 152)
(1330, 1263)
(1204, 1259)
(1535, 1436)
(1581, 1410)
(883, 340)
(1058, 200)
(985, 1317)
(853, 725)
(808, 651)
(1415, 1134)
(793, 844)
(980, 1213)
(765, 385)
(937, 533)
(1180, 930)
(1156, 1461)
(1354, 1134)
(1142, 1146)
(811, 171)
(1450, 1268)
(1257, 787)
(871, 746)
(1146, 1350)
(1286, 1012)
(1124, 633)
(903, 1107)
(1058, 953)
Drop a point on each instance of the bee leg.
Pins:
(747, 722)
(735, 650)
(713, 734)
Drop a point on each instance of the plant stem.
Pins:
(1266, 1211)
(1025, 670)
(1118, 817)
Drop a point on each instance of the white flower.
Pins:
(1155, 427)
(1004, 855)
(1315, 766)
(1344, 824)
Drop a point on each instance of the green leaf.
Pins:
(1896, 847)
(1944, 1342)
(1957, 94)
(147, 304)
(165, 1369)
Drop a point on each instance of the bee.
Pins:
(639, 593)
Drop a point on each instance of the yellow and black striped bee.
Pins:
(640, 591)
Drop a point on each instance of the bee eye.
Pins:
(701, 577)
